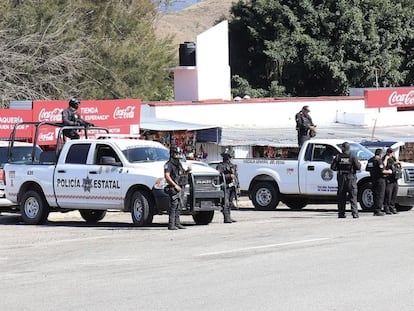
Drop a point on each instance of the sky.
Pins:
(179, 5)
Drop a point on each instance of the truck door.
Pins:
(106, 174)
(315, 174)
(80, 183)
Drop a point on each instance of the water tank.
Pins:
(187, 54)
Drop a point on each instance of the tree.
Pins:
(53, 49)
(322, 47)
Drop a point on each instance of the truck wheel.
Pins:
(139, 209)
(403, 208)
(366, 197)
(265, 196)
(296, 204)
(203, 218)
(33, 208)
(92, 216)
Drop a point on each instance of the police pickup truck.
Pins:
(96, 175)
(297, 179)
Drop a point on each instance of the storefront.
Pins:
(195, 139)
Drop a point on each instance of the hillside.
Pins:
(186, 24)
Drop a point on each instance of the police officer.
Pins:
(229, 178)
(304, 125)
(378, 174)
(346, 165)
(70, 117)
(176, 177)
(391, 181)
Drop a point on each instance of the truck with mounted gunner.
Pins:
(104, 173)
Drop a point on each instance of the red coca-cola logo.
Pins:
(54, 115)
(404, 99)
(124, 113)
(46, 136)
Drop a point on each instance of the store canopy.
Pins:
(205, 133)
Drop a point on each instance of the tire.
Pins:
(265, 196)
(296, 204)
(403, 208)
(92, 216)
(33, 208)
(203, 218)
(366, 197)
(140, 209)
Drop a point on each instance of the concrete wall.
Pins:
(210, 77)
(277, 113)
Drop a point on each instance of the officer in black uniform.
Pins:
(304, 125)
(378, 174)
(346, 164)
(391, 181)
(177, 178)
(229, 177)
(71, 117)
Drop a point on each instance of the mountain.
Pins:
(187, 23)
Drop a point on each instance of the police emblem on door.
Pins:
(327, 174)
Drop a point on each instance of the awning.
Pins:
(205, 133)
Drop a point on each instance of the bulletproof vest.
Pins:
(344, 163)
(178, 174)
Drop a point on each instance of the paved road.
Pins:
(275, 260)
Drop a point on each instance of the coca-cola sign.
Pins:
(47, 137)
(53, 115)
(119, 116)
(124, 113)
(400, 97)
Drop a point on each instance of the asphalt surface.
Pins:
(267, 260)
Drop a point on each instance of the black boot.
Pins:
(177, 221)
(171, 220)
(227, 218)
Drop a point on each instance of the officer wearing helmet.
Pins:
(70, 117)
(229, 178)
(177, 178)
(346, 165)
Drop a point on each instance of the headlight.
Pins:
(160, 184)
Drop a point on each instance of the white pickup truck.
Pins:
(94, 175)
(306, 177)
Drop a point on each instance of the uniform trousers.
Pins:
(347, 189)
(378, 188)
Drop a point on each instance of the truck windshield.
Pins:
(145, 154)
(360, 151)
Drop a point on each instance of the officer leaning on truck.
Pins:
(378, 173)
(346, 164)
(176, 177)
(70, 117)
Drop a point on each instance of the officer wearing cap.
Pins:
(176, 177)
(304, 125)
(346, 165)
(378, 172)
(391, 181)
(229, 178)
(70, 117)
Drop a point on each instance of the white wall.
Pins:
(212, 59)
(271, 113)
(210, 78)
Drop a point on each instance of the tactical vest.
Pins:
(344, 163)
